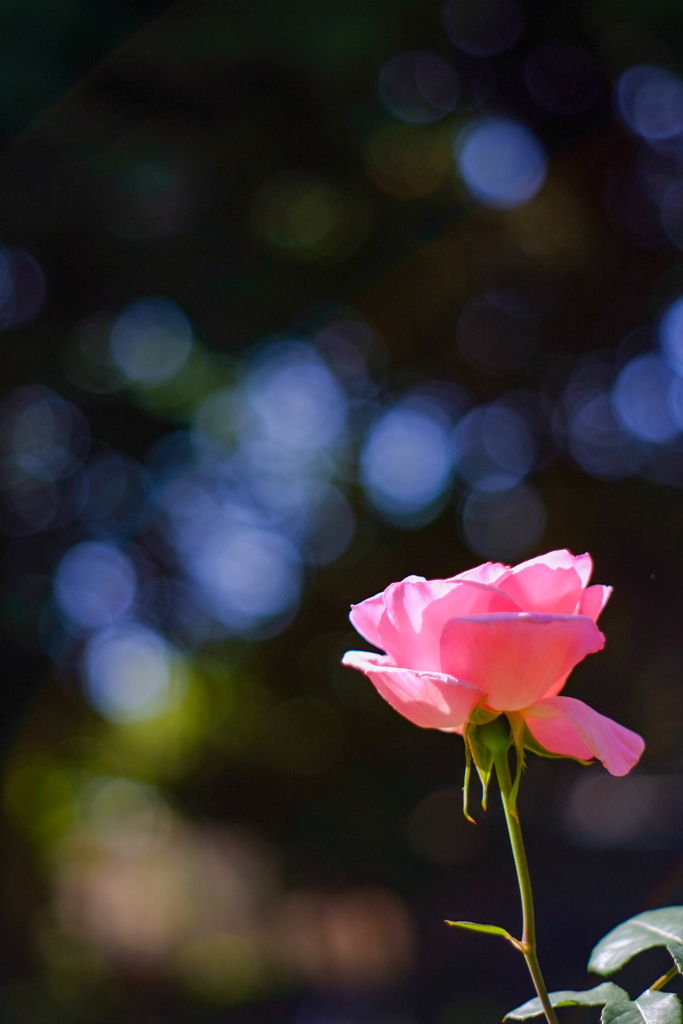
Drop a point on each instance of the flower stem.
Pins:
(665, 979)
(528, 940)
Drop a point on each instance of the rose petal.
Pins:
(365, 618)
(516, 659)
(593, 600)
(431, 700)
(562, 559)
(539, 588)
(487, 573)
(417, 611)
(567, 726)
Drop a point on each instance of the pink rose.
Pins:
(499, 637)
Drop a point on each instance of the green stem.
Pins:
(528, 940)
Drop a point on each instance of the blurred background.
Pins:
(296, 300)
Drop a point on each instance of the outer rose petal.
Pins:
(432, 700)
(516, 659)
(562, 559)
(567, 726)
(487, 573)
(537, 587)
(593, 600)
(365, 618)
(417, 611)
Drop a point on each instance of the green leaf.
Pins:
(487, 929)
(653, 928)
(650, 1008)
(598, 996)
(660, 1008)
(676, 952)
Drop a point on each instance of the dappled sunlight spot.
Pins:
(637, 812)
(304, 217)
(131, 672)
(359, 938)
(438, 831)
(408, 161)
(419, 86)
(151, 341)
(501, 162)
(406, 464)
(494, 448)
(504, 526)
(483, 27)
(95, 584)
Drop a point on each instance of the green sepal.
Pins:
(482, 716)
(662, 927)
(601, 995)
(650, 1008)
(486, 929)
(482, 757)
(517, 728)
(466, 783)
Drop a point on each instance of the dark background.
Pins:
(279, 845)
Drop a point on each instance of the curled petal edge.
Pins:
(432, 700)
(566, 726)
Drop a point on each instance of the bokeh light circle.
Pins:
(245, 575)
(406, 462)
(494, 448)
(641, 399)
(129, 673)
(599, 442)
(501, 162)
(671, 335)
(292, 400)
(650, 100)
(419, 87)
(151, 341)
(95, 584)
(483, 27)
